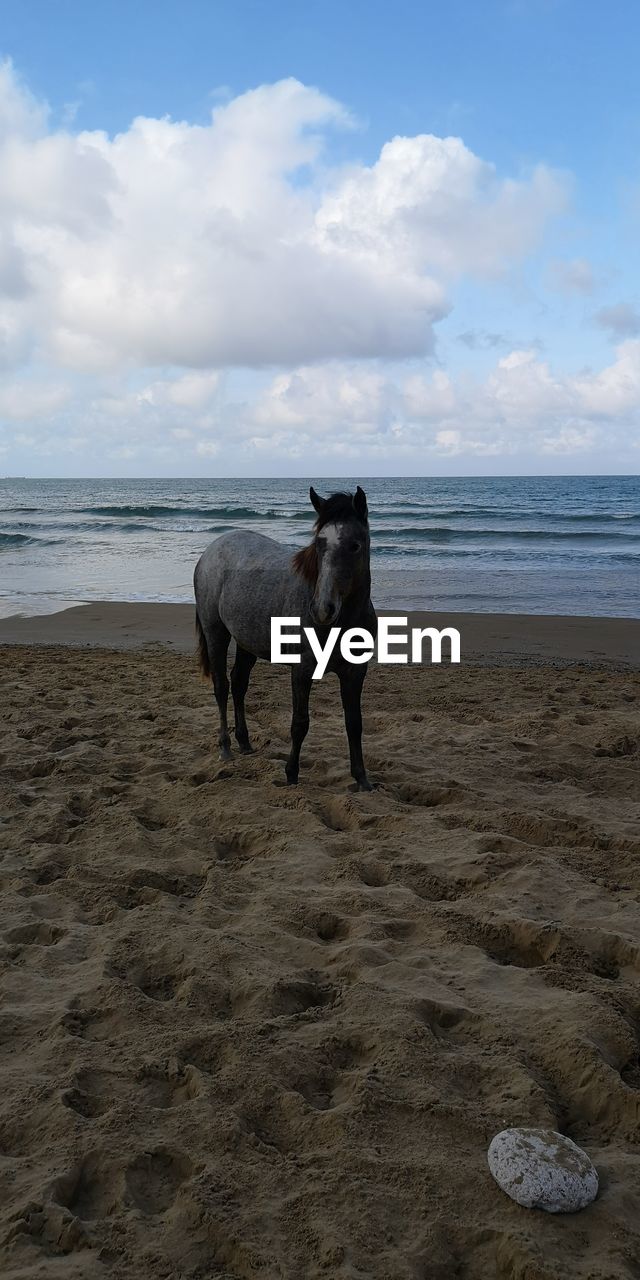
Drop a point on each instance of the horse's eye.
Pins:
(355, 546)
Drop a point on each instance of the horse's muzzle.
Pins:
(325, 615)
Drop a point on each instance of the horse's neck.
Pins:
(360, 601)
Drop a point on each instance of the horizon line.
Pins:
(537, 475)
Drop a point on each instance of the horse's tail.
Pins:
(203, 649)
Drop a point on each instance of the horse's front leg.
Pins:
(300, 690)
(351, 683)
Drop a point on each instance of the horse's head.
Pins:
(336, 563)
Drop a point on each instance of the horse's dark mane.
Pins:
(338, 506)
(305, 562)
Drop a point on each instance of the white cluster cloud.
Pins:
(191, 391)
(326, 416)
(524, 403)
(430, 203)
(136, 270)
(231, 244)
(522, 406)
(325, 398)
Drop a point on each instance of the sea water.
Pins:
(552, 545)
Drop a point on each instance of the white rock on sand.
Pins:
(541, 1169)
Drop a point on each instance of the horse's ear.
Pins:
(360, 504)
(316, 500)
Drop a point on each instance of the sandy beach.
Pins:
(486, 638)
(257, 1030)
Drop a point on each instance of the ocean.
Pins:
(550, 545)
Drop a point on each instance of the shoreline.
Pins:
(494, 639)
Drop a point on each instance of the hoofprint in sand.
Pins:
(249, 1029)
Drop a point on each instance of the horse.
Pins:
(243, 579)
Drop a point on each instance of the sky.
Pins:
(293, 238)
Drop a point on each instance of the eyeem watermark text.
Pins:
(396, 643)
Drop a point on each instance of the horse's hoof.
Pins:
(225, 755)
(246, 751)
(292, 782)
(365, 786)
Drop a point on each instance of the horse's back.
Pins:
(240, 548)
(242, 579)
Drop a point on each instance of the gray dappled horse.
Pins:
(243, 579)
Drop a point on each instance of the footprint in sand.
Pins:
(241, 845)
(156, 983)
(428, 797)
(441, 1018)
(47, 871)
(168, 1084)
(521, 943)
(157, 882)
(38, 934)
(207, 1054)
(299, 996)
(344, 1064)
(373, 874)
(426, 885)
(99, 1015)
(161, 1085)
(332, 928)
(158, 976)
(153, 1179)
(89, 1024)
(93, 1092)
(398, 930)
(324, 926)
(90, 1190)
(338, 815)
(266, 1129)
(207, 997)
(150, 819)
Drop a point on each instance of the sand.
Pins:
(250, 1030)
(486, 638)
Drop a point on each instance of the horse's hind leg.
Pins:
(240, 672)
(218, 640)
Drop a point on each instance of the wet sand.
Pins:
(256, 1030)
(488, 638)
